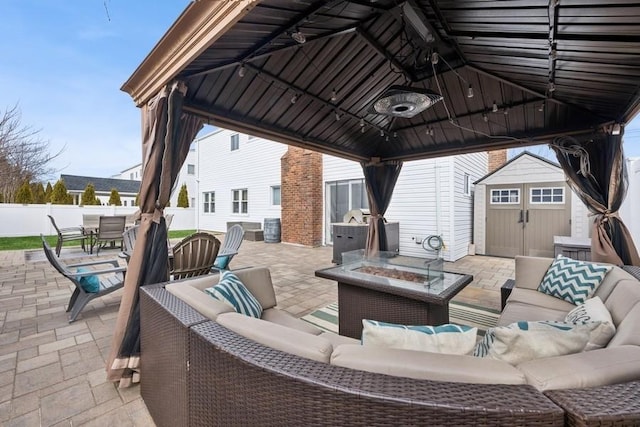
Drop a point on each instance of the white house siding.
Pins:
(254, 166)
(631, 205)
(421, 211)
(479, 214)
(463, 213)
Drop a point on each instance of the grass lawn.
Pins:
(34, 242)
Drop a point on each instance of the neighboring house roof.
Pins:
(524, 153)
(102, 185)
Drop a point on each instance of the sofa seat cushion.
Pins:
(446, 339)
(573, 280)
(425, 365)
(518, 311)
(628, 331)
(279, 337)
(522, 341)
(539, 299)
(587, 369)
(209, 307)
(283, 318)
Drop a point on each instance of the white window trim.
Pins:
(205, 203)
(239, 213)
(466, 184)
(504, 203)
(271, 195)
(546, 203)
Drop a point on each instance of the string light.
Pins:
(470, 92)
(395, 134)
(506, 111)
(485, 117)
(434, 58)
(495, 107)
(362, 129)
(381, 132)
(242, 71)
(387, 138)
(541, 108)
(337, 116)
(294, 98)
(552, 87)
(361, 123)
(334, 96)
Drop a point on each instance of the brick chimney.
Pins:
(497, 158)
(301, 197)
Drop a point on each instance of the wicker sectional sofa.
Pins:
(202, 365)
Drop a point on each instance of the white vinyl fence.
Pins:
(31, 220)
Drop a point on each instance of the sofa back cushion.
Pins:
(425, 365)
(610, 282)
(258, 282)
(279, 337)
(530, 271)
(621, 298)
(628, 331)
(191, 292)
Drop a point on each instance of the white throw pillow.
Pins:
(522, 341)
(447, 339)
(594, 310)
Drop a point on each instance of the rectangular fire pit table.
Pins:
(367, 295)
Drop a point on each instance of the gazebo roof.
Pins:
(538, 70)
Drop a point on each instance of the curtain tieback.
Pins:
(604, 216)
(378, 216)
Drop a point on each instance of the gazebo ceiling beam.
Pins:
(385, 53)
(235, 62)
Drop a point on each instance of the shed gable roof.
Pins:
(102, 185)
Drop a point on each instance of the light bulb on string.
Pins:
(470, 92)
(294, 98)
(337, 116)
(334, 96)
(494, 108)
(242, 71)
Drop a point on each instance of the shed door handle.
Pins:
(521, 219)
(527, 215)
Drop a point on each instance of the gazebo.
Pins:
(383, 82)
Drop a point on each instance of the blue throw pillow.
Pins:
(232, 291)
(88, 283)
(572, 280)
(221, 262)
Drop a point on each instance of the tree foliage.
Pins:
(89, 196)
(59, 194)
(38, 193)
(24, 155)
(47, 193)
(24, 194)
(114, 199)
(183, 197)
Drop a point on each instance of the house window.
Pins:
(506, 196)
(275, 195)
(467, 184)
(547, 195)
(235, 142)
(124, 203)
(131, 175)
(193, 202)
(191, 169)
(240, 201)
(209, 202)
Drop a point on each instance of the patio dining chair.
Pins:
(68, 234)
(110, 230)
(194, 255)
(89, 283)
(230, 246)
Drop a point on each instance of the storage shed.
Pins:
(522, 205)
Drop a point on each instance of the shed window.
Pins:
(505, 196)
(547, 195)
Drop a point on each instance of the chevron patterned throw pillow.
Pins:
(572, 280)
(232, 291)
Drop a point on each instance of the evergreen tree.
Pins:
(137, 202)
(183, 197)
(39, 196)
(24, 194)
(89, 196)
(114, 199)
(59, 195)
(47, 193)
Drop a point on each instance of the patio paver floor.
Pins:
(52, 372)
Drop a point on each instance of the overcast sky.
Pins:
(63, 62)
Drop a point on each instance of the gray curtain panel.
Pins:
(596, 171)
(167, 135)
(380, 179)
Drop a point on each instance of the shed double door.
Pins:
(522, 219)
